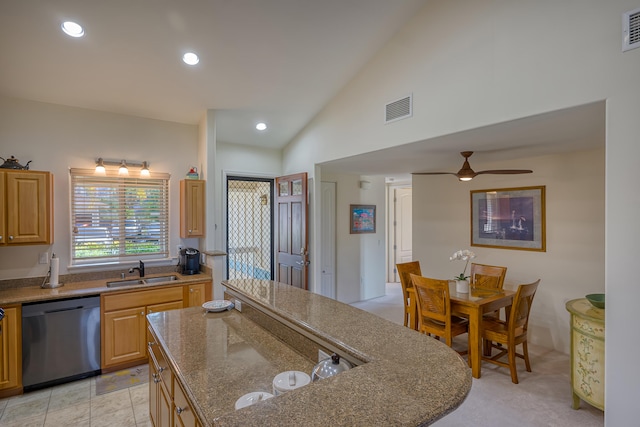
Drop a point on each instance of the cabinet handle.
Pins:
(161, 369)
(155, 378)
(191, 290)
(189, 231)
(142, 313)
(150, 311)
(150, 343)
(179, 410)
(0, 237)
(10, 237)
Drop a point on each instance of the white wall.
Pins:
(475, 63)
(57, 138)
(571, 267)
(360, 258)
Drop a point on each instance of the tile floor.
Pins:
(76, 404)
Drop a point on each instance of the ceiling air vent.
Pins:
(398, 110)
(631, 30)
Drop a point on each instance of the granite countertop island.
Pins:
(401, 378)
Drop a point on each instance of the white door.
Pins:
(403, 227)
(328, 240)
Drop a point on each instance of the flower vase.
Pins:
(462, 286)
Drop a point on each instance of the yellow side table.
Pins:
(587, 353)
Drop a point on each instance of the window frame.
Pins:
(141, 201)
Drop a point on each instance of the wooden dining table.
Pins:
(473, 305)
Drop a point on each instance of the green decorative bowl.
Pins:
(597, 300)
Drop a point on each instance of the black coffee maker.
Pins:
(190, 261)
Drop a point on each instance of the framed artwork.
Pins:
(362, 219)
(509, 218)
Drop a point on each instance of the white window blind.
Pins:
(114, 218)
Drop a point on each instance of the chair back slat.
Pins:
(488, 276)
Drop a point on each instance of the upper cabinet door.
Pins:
(28, 205)
(192, 208)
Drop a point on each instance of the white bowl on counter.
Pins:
(289, 380)
(251, 398)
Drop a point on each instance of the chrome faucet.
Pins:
(140, 269)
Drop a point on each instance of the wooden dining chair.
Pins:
(408, 294)
(487, 276)
(434, 310)
(506, 335)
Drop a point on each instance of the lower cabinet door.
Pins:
(164, 408)
(154, 393)
(184, 416)
(124, 336)
(10, 349)
(195, 294)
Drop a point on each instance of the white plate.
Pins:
(251, 398)
(218, 305)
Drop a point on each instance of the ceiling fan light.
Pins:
(465, 178)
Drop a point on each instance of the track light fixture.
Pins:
(123, 166)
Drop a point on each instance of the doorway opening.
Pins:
(249, 228)
(399, 228)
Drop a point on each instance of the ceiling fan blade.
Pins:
(506, 171)
(434, 173)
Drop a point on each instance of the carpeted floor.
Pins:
(122, 379)
(542, 399)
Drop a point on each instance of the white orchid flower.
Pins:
(464, 255)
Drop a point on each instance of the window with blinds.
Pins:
(114, 218)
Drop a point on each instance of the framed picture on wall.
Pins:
(362, 219)
(509, 218)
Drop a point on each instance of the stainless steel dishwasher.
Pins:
(60, 341)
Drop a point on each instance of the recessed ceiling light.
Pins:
(261, 126)
(190, 58)
(72, 29)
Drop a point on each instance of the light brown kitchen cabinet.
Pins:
(10, 351)
(196, 294)
(168, 405)
(192, 208)
(160, 388)
(124, 336)
(183, 414)
(26, 207)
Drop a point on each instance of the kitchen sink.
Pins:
(145, 281)
(160, 279)
(129, 282)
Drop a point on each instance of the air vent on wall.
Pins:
(398, 110)
(631, 30)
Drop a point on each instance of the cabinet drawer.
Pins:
(161, 367)
(144, 298)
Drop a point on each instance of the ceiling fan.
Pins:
(467, 174)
